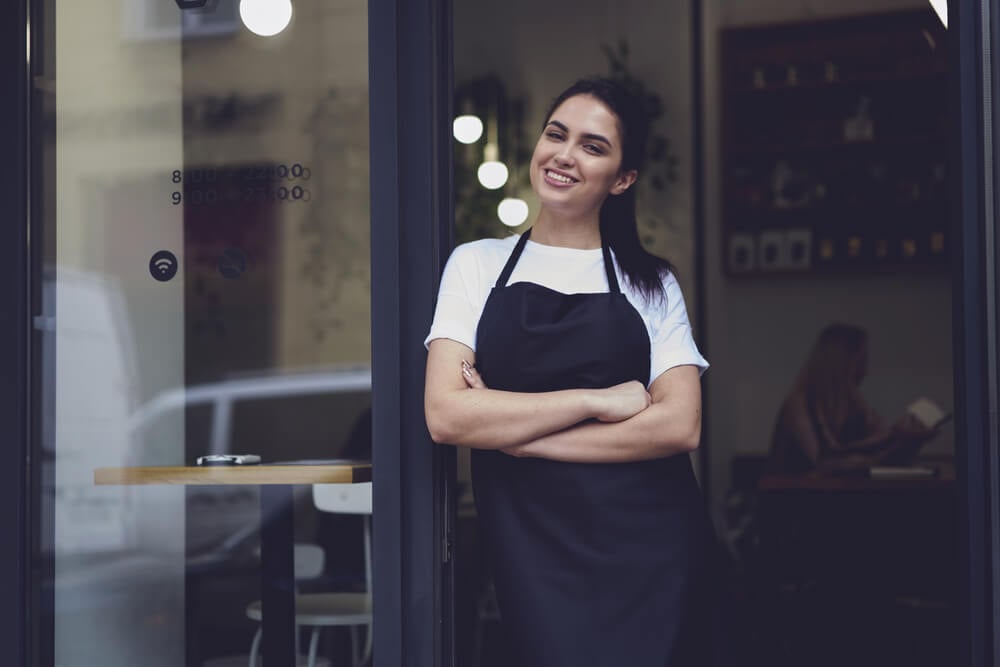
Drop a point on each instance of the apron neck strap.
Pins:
(609, 267)
(512, 260)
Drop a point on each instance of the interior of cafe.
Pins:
(797, 182)
(819, 203)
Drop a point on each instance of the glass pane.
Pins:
(205, 198)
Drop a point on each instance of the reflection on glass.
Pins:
(266, 17)
(206, 289)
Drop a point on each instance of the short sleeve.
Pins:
(671, 341)
(459, 304)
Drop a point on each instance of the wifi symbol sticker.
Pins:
(163, 265)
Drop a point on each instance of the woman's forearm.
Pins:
(656, 432)
(461, 410)
(492, 419)
(670, 425)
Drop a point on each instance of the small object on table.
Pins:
(228, 460)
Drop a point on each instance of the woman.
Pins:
(825, 423)
(566, 362)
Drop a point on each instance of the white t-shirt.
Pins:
(473, 269)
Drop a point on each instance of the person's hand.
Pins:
(471, 376)
(622, 401)
(910, 428)
(614, 404)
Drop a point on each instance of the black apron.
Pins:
(593, 564)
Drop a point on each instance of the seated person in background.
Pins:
(824, 423)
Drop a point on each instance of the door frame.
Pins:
(972, 29)
(14, 331)
(410, 64)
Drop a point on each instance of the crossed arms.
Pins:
(617, 424)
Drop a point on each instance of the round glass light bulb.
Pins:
(512, 211)
(492, 175)
(467, 129)
(266, 17)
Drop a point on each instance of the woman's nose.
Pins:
(564, 156)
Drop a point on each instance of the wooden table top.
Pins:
(943, 477)
(319, 473)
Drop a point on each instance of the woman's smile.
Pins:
(559, 179)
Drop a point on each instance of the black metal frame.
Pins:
(411, 90)
(14, 332)
(698, 226)
(972, 31)
(993, 347)
(14, 328)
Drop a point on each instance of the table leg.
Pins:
(277, 535)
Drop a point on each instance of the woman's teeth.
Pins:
(559, 177)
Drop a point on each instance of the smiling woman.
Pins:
(566, 362)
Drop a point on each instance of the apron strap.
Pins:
(512, 260)
(609, 267)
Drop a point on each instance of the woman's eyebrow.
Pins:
(589, 135)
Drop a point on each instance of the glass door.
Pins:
(203, 279)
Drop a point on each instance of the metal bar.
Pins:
(387, 588)
(410, 147)
(277, 574)
(698, 227)
(15, 614)
(973, 215)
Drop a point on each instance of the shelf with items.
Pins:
(826, 147)
(780, 184)
(839, 163)
(790, 81)
(809, 249)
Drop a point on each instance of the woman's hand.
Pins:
(664, 422)
(471, 376)
(910, 428)
(622, 401)
(488, 418)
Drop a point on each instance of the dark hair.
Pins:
(619, 228)
(830, 374)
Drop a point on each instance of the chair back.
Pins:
(349, 499)
(343, 498)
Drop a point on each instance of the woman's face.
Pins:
(577, 160)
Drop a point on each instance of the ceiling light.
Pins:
(512, 211)
(467, 129)
(492, 173)
(266, 17)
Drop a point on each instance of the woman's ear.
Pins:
(624, 181)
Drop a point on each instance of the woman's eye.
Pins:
(554, 135)
(593, 148)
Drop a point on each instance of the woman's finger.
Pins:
(471, 376)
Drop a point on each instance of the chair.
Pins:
(320, 610)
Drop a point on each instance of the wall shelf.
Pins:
(834, 146)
